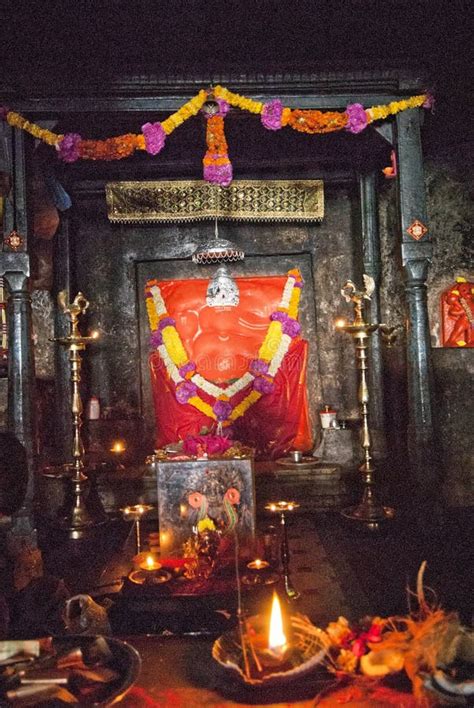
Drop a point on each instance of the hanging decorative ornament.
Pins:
(217, 250)
(222, 290)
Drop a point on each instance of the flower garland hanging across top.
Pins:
(256, 382)
(217, 166)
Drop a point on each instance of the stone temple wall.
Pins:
(334, 252)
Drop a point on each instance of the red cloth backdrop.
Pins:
(221, 341)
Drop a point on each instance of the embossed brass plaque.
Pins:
(195, 200)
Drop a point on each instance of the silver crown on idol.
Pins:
(222, 290)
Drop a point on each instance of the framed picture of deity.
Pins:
(221, 490)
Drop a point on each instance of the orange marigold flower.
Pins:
(316, 121)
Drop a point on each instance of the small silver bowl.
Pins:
(296, 455)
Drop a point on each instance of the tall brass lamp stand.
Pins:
(78, 520)
(369, 512)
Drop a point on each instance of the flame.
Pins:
(150, 562)
(276, 636)
(118, 446)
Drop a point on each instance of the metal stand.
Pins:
(282, 507)
(79, 520)
(135, 513)
(370, 512)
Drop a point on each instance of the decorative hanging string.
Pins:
(217, 166)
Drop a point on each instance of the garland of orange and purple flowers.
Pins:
(216, 162)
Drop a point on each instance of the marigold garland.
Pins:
(258, 379)
(217, 166)
(317, 121)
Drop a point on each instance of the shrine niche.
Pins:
(457, 314)
(240, 370)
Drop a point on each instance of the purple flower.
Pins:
(184, 391)
(357, 118)
(223, 107)
(68, 148)
(222, 410)
(155, 137)
(156, 340)
(279, 316)
(298, 284)
(429, 101)
(263, 384)
(218, 174)
(289, 326)
(188, 368)
(4, 111)
(258, 366)
(271, 115)
(166, 322)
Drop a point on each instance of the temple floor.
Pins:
(337, 569)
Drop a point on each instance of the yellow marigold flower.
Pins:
(174, 346)
(202, 406)
(271, 342)
(152, 316)
(245, 405)
(294, 303)
(206, 524)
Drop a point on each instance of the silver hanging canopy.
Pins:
(218, 250)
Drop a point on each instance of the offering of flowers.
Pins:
(203, 446)
(429, 647)
(200, 445)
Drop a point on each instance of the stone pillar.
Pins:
(15, 266)
(63, 419)
(21, 380)
(373, 267)
(416, 256)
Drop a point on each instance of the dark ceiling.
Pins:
(68, 38)
(66, 44)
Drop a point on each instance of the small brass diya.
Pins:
(259, 573)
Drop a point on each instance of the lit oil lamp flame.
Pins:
(118, 447)
(150, 563)
(276, 637)
(340, 323)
